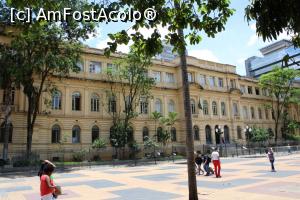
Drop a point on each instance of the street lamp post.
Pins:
(220, 132)
(247, 132)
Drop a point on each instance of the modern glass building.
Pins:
(273, 55)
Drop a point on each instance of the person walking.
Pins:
(216, 161)
(271, 159)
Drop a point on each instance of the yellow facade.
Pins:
(221, 84)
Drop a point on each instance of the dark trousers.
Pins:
(272, 165)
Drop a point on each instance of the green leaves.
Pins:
(208, 16)
(274, 17)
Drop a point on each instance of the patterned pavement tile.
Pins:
(158, 177)
(285, 189)
(67, 194)
(226, 184)
(277, 174)
(94, 183)
(143, 194)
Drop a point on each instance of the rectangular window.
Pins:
(79, 64)
(235, 109)
(249, 90)
(190, 77)
(95, 67)
(232, 84)
(257, 91)
(243, 89)
(157, 76)
(211, 81)
(202, 80)
(170, 78)
(112, 67)
(221, 83)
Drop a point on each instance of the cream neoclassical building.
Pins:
(77, 115)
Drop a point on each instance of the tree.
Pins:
(131, 76)
(260, 135)
(279, 83)
(275, 17)
(184, 20)
(7, 67)
(99, 144)
(165, 135)
(45, 50)
(156, 116)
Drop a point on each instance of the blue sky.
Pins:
(232, 46)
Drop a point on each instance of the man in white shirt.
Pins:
(216, 161)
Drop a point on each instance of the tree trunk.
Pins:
(7, 120)
(192, 184)
(29, 126)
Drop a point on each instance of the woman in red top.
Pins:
(47, 186)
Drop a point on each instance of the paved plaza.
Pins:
(242, 178)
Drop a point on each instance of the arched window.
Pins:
(112, 104)
(235, 109)
(159, 133)
(56, 100)
(76, 101)
(193, 106)
(76, 134)
(158, 106)
(55, 134)
(95, 133)
(239, 132)
(214, 108)
(267, 113)
(171, 106)
(252, 113)
(259, 113)
(173, 134)
(130, 137)
(196, 133)
(223, 108)
(145, 133)
(208, 134)
(94, 103)
(144, 106)
(2, 132)
(205, 107)
(226, 134)
(245, 112)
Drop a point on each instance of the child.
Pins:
(47, 186)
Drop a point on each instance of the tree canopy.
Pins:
(274, 17)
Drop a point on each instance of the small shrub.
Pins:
(79, 156)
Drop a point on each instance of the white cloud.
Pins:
(252, 40)
(95, 35)
(204, 54)
(253, 27)
(125, 48)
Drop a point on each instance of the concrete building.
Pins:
(77, 115)
(273, 55)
